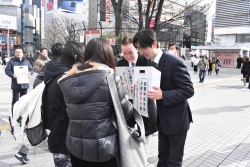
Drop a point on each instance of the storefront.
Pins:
(227, 54)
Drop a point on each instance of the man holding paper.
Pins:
(19, 69)
(174, 114)
(132, 59)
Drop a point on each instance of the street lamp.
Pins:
(8, 48)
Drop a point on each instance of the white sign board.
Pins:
(126, 74)
(8, 21)
(11, 2)
(22, 74)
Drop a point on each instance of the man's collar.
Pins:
(158, 56)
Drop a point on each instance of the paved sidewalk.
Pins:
(219, 136)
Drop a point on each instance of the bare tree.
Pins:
(117, 5)
(62, 29)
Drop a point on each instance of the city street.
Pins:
(219, 135)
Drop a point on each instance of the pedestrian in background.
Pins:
(92, 138)
(244, 71)
(246, 79)
(30, 59)
(217, 65)
(244, 59)
(18, 90)
(41, 61)
(196, 61)
(174, 49)
(210, 66)
(4, 61)
(192, 60)
(239, 62)
(203, 66)
(118, 57)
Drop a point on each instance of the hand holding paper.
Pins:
(155, 94)
(14, 76)
(124, 84)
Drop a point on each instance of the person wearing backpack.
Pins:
(54, 109)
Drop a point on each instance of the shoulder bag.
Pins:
(132, 147)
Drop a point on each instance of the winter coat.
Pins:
(239, 62)
(217, 64)
(245, 67)
(39, 63)
(92, 134)
(203, 64)
(9, 70)
(210, 66)
(53, 103)
(196, 61)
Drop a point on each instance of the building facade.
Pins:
(22, 19)
(232, 22)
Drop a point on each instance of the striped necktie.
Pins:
(154, 64)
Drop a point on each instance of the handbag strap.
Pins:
(119, 110)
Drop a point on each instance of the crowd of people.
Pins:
(78, 104)
(205, 65)
(79, 108)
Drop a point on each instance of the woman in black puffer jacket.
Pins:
(92, 136)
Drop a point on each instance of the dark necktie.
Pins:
(133, 64)
(154, 64)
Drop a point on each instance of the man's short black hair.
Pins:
(174, 44)
(18, 47)
(42, 49)
(145, 38)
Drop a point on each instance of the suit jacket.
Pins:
(150, 123)
(174, 113)
(141, 61)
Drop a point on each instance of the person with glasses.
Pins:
(174, 113)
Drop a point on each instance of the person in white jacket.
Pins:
(195, 61)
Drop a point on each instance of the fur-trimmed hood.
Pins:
(76, 82)
(96, 66)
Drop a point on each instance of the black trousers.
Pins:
(16, 93)
(171, 149)
(76, 162)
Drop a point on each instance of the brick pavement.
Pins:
(219, 136)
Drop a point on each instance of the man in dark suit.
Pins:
(174, 114)
(131, 59)
(130, 54)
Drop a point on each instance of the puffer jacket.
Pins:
(92, 134)
(9, 70)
